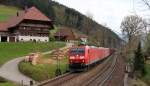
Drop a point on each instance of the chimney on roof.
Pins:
(17, 13)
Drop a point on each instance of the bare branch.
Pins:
(147, 3)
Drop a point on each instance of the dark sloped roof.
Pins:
(66, 32)
(29, 14)
(34, 14)
(69, 33)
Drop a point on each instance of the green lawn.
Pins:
(7, 84)
(9, 51)
(42, 72)
(6, 12)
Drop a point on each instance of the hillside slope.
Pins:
(62, 15)
(6, 12)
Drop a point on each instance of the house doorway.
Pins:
(3, 38)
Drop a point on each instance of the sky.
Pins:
(108, 12)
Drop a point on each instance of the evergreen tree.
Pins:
(147, 46)
(139, 61)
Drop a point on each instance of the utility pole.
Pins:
(58, 70)
(103, 39)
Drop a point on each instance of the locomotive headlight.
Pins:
(81, 57)
(72, 57)
(83, 61)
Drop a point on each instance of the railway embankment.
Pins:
(102, 74)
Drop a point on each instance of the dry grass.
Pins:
(137, 82)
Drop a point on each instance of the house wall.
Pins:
(7, 38)
(31, 38)
(28, 30)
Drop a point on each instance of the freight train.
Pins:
(81, 57)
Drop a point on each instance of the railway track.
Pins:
(118, 74)
(83, 78)
(59, 80)
(95, 77)
(101, 78)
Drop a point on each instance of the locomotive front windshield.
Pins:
(77, 51)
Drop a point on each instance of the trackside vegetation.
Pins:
(146, 78)
(139, 62)
(42, 72)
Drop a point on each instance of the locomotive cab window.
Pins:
(79, 51)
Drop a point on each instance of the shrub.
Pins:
(41, 72)
(37, 72)
(2, 80)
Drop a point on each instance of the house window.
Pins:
(38, 29)
(44, 29)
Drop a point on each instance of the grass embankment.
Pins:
(6, 12)
(10, 51)
(42, 72)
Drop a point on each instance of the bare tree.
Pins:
(146, 3)
(132, 26)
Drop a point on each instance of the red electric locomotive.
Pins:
(83, 56)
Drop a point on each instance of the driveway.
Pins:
(11, 72)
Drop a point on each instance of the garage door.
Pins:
(3, 38)
(12, 39)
